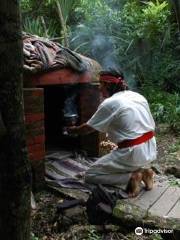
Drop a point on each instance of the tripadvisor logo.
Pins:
(138, 231)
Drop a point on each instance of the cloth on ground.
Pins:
(63, 173)
(101, 199)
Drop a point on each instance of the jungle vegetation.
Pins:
(140, 37)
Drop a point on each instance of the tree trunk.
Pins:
(176, 5)
(63, 25)
(15, 177)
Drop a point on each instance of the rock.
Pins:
(72, 216)
(156, 168)
(131, 215)
(162, 128)
(174, 171)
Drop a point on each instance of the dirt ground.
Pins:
(46, 224)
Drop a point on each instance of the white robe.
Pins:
(125, 115)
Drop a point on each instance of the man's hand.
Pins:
(72, 130)
(108, 145)
(83, 129)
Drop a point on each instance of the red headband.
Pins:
(111, 79)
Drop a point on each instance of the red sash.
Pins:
(132, 142)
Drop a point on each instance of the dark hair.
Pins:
(112, 72)
(114, 87)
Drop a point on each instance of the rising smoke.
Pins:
(103, 50)
(70, 105)
(95, 39)
(96, 45)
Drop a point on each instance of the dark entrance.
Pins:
(60, 101)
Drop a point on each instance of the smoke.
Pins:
(98, 37)
(70, 105)
(103, 50)
(96, 45)
(94, 36)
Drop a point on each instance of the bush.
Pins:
(165, 107)
(33, 237)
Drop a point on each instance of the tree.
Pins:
(176, 5)
(15, 177)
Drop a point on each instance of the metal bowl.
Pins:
(70, 119)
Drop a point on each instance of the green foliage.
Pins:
(145, 21)
(156, 237)
(175, 182)
(34, 11)
(131, 22)
(136, 35)
(124, 28)
(36, 26)
(93, 235)
(165, 107)
(26, 5)
(37, 18)
(163, 70)
(174, 147)
(67, 6)
(147, 31)
(33, 237)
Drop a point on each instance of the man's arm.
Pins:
(83, 129)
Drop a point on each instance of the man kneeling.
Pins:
(126, 118)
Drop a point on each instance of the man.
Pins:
(126, 118)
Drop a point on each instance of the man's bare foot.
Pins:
(148, 178)
(133, 187)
